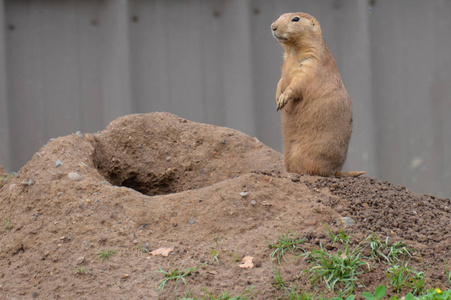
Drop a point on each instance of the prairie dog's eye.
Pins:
(295, 19)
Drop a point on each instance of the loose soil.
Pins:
(155, 181)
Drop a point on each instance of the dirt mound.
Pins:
(4, 177)
(211, 194)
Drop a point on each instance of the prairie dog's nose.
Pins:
(273, 27)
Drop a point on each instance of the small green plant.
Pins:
(382, 250)
(285, 242)
(407, 297)
(237, 256)
(448, 273)
(416, 282)
(4, 178)
(433, 294)
(398, 276)
(378, 249)
(295, 293)
(223, 296)
(278, 281)
(215, 255)
(350, 297)
(175, 275)
(144, 248)
(379, 292)
(106, 254)
(402, 275)
(338, 271)
(226, 295)
(80, 271)
(397, 249)
(6, 225)
(343, 236)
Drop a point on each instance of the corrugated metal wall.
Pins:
(68, 65)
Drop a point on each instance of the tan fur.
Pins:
(316, 108)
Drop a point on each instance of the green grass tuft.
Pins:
(106, 254)
(285, 243)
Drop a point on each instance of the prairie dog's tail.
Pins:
(349, 174)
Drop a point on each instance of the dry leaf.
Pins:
(247, 263)
(162, 251)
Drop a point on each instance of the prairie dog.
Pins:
(316, 108)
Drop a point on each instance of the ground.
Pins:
(80, 219)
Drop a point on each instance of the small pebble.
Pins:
(79, 134)
(347, 221)
(27, 182)
(330, 247)
(59, 163)
(253, 202)
(191, 222)
(75, 176)
(244, 194)
(125, 277)
(80, 260)
(223, 141)
(34, 295)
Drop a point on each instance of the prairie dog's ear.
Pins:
(313, 23)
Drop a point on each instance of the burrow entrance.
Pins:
(160, 153)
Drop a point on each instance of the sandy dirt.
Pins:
(211, 194)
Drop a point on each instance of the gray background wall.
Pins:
(68, 65)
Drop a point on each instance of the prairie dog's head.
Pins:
(290, 28)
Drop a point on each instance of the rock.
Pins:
(80, 260)
(79, 134)
(330, 247)
(75, 176)
(125, 277)
(244, 194)
(191, 222)
(347, 221)
(27, 182)
(59, 163)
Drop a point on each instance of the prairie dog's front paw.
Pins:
(283, 99)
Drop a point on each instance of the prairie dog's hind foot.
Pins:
(349, 174)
